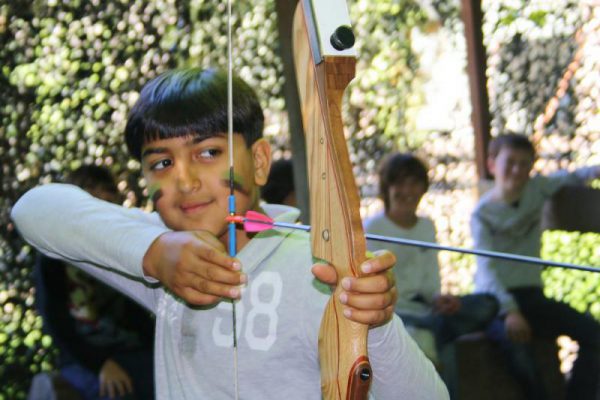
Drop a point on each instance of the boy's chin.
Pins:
(190, 227)
(513, 191)
(517, 187)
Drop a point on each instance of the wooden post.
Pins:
(476, 66)
(285, 16)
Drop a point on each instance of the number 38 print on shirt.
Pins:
(263, 297)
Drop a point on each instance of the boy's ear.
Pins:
(261, 155)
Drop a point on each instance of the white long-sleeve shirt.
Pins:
(515, 228)
(417, 270)
(278, 316)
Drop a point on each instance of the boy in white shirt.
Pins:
(177, 130)
(508, 219)
(434, 319)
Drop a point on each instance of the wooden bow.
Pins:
(325, 64)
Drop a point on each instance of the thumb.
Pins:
(209, 239)
(325, 273)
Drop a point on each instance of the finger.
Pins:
(196, 254)
(368, 284)
(111, 390)
(211, 240)
(120, 388)
(128, 384)
(102, 387)
(377, 301)
(209, 287)
(218, 274)
(197, 298)
(216, 256)
(325, 273)
(382, 261)
(204, 283)
(371, 317)
(190, 267)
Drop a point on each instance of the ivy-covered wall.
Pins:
(70, 71)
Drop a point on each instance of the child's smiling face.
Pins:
(405, 195)
(511, 169)
(190, 174)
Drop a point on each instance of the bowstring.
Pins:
(232, 227)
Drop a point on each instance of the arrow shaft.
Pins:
(435, 246)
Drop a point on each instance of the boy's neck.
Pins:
(508, 197)
(406, 220)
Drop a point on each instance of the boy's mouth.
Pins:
(190, 208)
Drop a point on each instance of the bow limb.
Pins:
(323, 74)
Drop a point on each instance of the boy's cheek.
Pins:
(155, 192)
(239, 182)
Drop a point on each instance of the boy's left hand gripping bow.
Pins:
(325, 64)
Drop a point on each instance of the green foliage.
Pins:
(531, 45)
(578, 288)
(387, 68)
(70, 72)
(385, 89)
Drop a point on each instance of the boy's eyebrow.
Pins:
(195, 139)
(153, 150)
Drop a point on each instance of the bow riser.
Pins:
(337, 233)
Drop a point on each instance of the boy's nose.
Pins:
(187, 181)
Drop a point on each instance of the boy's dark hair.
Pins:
(280, 182)
(192, 101)
(395, 168)
(90, 177)
(512, 141)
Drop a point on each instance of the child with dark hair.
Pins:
(96, 180)
(508, 219)
(435, 320)
(279, 188)
(104, 339)
(177, 129)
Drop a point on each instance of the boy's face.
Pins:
(190, 177)
(511, 169)
(405, 195)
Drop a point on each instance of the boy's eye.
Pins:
(209, 153)
(160, 164)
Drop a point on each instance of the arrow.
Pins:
(256, 222)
